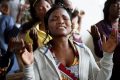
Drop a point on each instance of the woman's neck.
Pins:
(63, 51)
(60, 42)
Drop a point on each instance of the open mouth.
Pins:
(61, 27)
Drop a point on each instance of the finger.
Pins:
(116, 36)
(113, 32)
(22, 43)
(96, 30)
(33, 31)
(21, 47)
(89, 32)
(29, 47)
(103, 39)
(93, 28)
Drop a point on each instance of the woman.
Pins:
(34, 31)
(105, 26)
(63, 59)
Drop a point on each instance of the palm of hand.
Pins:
(110, 45)
(95, 32)
(27, 57)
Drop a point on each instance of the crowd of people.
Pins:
(44, 36)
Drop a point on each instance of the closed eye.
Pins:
(65, 17)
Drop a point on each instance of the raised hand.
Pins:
(110, 44)
(95, 32)
(33, 34)
(26, 53)
(24, 50)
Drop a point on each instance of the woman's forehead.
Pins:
(41, 3)
(60, 11)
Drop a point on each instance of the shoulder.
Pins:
(83, 47)
(8, 17)
(26, 26)
(41, 50)
(100, 23)
(5, 17)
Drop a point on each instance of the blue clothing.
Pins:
(6, 25)
(7, 30)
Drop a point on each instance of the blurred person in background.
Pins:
(36, 35)
(104, 28)
(76, 24)
(23, 15)
(14, 8)
(8, 29)
(34, 30)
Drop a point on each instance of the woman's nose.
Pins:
(60, 20)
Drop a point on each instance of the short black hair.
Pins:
(107, 7)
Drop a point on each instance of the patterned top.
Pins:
(68, 72)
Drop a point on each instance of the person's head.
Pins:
(38, 9)
(67, 3)
(58, 21)
(4, 8)
(111, 8)
(76, 19)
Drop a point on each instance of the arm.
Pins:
(103, 73)
(98, 47)
(106, 62)
(34, 36)
(29, 73)
(25, 52)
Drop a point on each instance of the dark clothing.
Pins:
(106, 28)
(6, 25)
(7, 30)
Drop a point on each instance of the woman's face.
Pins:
(114, 10)
(5, 9)
(59, 23)
(41, 9)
